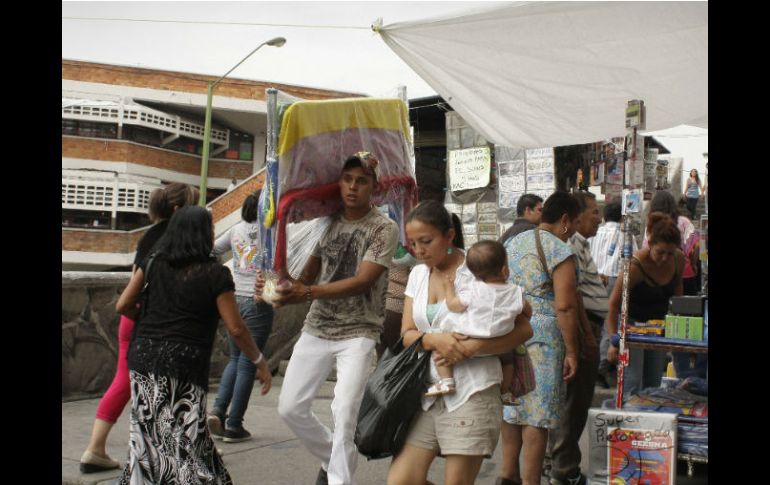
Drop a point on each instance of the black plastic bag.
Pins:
(391, 399)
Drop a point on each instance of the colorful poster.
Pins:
(640, 457)
(615, 170)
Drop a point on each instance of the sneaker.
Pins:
(322, 478)
(236, 435)
(216, 430)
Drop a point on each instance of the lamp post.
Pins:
(276, 42)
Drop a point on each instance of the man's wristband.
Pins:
(259, 359)
(615, 340)
(308, 293)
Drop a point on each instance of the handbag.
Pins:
(523, 381)
(392, 397)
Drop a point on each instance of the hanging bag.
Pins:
(391, 399)
(523, 381)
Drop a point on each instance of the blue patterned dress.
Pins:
(541, 407)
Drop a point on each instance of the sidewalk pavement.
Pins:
(273, 457)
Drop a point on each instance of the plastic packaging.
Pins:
(391, 399)
(301, 239)
(313, 139)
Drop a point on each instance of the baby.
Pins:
(484, 306)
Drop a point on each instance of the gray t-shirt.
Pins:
(342, 248)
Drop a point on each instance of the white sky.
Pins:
(342, 59)
(354, 60)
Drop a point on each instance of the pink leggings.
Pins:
(119, 393)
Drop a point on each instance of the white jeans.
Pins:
(310, 364)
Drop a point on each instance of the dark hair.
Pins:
(527, 201)
(613, 212)
(249, 208)
(458, 241)
(189, 236)
(164, 200)
(664, 202)
(583, 198)
(697, 177)
(434, 213)
(486, 259)
(558, 204)
(661, 228)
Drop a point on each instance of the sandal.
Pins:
(442, 387)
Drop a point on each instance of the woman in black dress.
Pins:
(187, 291)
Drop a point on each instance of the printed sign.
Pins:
(488, 228)
(487, 207)
(508, 200)
(539, 181)
(540, 165)
(469, 168)
(488, 217)
(469, 229)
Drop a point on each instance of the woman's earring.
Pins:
(449, 250)
(564, 230)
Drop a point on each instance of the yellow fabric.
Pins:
(308, 118)
(270, 214)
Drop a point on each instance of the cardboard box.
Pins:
(631, 447)
(686, 305)
(684, 327)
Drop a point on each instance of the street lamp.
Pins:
(276, 42)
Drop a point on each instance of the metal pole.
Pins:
(205, 152)
(276, 42)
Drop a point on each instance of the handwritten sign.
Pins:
(631, 447)
(469, 168)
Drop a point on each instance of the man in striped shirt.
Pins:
(592, 311)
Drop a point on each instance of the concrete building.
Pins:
(127, 131)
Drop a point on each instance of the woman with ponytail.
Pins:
(655, 275)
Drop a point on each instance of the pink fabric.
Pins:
(304, 204)
(116, 397)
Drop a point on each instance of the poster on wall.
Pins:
(612, 193)
(469, 168)
(469, 213)
(511, 183)
(540, 170)
(597, 173)
(615, 170)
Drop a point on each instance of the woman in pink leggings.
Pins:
(163, 203)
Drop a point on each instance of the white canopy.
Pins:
(539, 74)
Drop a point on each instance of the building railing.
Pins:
(134, 114)
(108, 195)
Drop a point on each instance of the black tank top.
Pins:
(650, 302)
